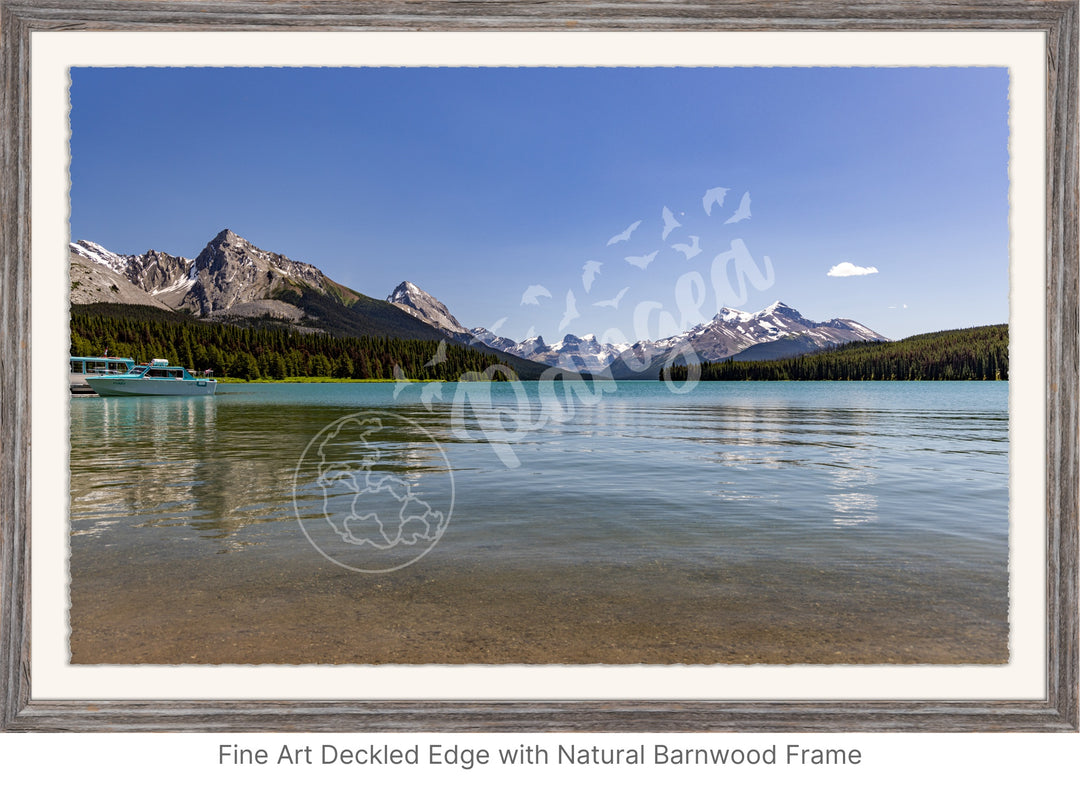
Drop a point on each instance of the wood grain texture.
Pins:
(14, 371)
(1059, 712)
(1063, 352)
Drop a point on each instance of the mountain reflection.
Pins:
(164, 462)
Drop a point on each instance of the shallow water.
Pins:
(735, 522)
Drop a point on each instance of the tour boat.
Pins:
(82, 366)
(156, 378)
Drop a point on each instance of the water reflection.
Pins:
(863, 521)
(223, 471)
(742, 466)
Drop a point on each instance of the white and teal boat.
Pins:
(83, 366)
(156, 378)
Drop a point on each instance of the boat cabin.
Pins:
(84, 365)
(159, 369)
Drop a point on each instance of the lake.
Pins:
(798, 522)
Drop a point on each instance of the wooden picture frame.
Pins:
(1058, 711)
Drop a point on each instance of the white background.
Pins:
(887, 759)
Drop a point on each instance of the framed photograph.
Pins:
(539, 368)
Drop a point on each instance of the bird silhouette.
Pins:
(532, 292)
(613, 302)
(589, 273)
(571, 312)
(400, 381)
(643, 262)
(713, 196)
(625, 234)
(691, 249)
(438, 357)
(742, 212)
(429, 393)
(670, 222)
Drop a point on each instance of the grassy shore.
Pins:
(229, 380)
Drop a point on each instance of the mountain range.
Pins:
(777, 331)
(232, 280)
(230, 276)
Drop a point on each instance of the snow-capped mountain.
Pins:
(95, 279)
(578, 353)
(229, 272)
(730, 332)
(484, 336)
(231, 278)
(162, 277)
(777, 330)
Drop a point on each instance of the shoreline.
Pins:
(262, 380)
(302, 380)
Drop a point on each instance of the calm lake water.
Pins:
(745, 522)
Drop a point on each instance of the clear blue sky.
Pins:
(479, 183)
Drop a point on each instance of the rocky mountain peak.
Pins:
(425, 306)
(227, 238)
(229, 271)
(534, 345)
(779, 307)
(729, 314)
(232, 270)
(405, 292)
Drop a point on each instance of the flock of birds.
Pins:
(432, 391)
(713, 198)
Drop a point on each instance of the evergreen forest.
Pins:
(964, 354)
(268, 350)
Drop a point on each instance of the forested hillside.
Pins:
(271, 351)
(965, 354)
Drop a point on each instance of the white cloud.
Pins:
(847, 269)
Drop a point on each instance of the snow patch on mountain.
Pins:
(96, 253)
(228, 272)
(426, 307)
(730, 332)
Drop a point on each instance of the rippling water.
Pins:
(892, 494)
